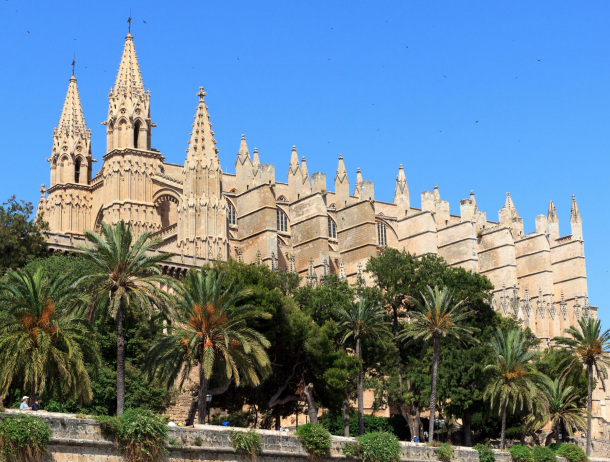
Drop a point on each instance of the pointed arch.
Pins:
(123, 134)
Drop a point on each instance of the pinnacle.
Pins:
(129, 78)
(574, 212)
(202, 143)
(243, 153)
(72, 120)
(552, 213)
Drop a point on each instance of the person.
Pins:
(171, 422)
(188, 423)
(24, 405)
(36, 405)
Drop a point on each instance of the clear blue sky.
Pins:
(383, 83)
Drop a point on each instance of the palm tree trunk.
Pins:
(202, 402)
(120, 361)
(360, 389)
(589, 407)
(346, 417)
(503, 431)
(433, 389)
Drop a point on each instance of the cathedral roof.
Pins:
(129, 79)
(72, 119)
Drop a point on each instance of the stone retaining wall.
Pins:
(81, 440)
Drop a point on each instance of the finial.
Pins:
(303, 159)
(435, 186)
(73, 63)
(400, 167)
(255, 150)
(42, 188)
(201, 93)
(573, 197)
(358, 171)
(243, 137)
(294, 148)
(471, 192)
(129, 22)
(340, 156)
(508, 194)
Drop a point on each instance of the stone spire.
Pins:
(128, 79)
(294, 167)
(42, 204)
(341, 185)
(71, 155)
(401, 193)
(128, 123)
(72, 119)
(306, 181)
(202, 213)
(510, 218)
(295, 177)
(244, 170)
(358, 183)
(243, 154)
(575, 220)
(553, 221)
(255, 160)
(437, 195)
(202, 144)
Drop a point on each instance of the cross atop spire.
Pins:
(73, 63)
(129, 22)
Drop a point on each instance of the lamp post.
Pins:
(208, 399)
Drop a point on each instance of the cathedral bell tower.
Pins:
(128, 124)
(202, 214)
(68, 206)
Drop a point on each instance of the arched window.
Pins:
(382, 239)
(231, 214)
(332, 228)
(282, 221)
(136, 133)
(77, 171)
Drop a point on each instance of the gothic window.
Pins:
(232, 215)
(382, 239)
(136, 134)
(332, 228)
(77, 171)
(282, 221)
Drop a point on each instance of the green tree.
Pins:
(589, 347)
(42, 343)
(211, 331)
(124, 276)
(514, 378)
(561, 409)
(437, 319)
(21, 238)
(361, 319)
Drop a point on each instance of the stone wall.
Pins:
(80, 440)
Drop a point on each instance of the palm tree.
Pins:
(436, 319)
(514, 379)
(360, 319)
(589, 347)
(41, 342)
(123, 277)
(211, 331)
(561, 409)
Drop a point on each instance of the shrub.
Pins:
(81, 416)
(379, 447)
(108, 426)
(247, 443)
(515, 433)
(314, 438)
(521, 453)
(444, 452)
(198, 441)
(352, 450)
(572, 452)
(139, 433)
(486, 454)
(24, 438)
(543, 454)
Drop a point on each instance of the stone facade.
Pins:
(202, 213)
